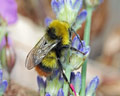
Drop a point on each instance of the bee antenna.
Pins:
(77, 37)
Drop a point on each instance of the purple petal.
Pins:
(4, 85)
(81, 17)
(60, 92)
(61, 79)
(55, 6)
(70, 3)
(55, 74)
(8, 10)
(77, 4)
(41, 82)
(75, 42)
(77, 83)
(47, 94)
(80, 47)
(61, 2)
(79, 20)
(87, 50)
(72, 78)
(47, 21)
(3, 43)
(1, 75)
(92, 86)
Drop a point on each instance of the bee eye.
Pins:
(51, 33)
(45, 43)
(70, 32)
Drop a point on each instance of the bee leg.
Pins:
(64, 76)
(61, 69)
(72, 48)
(71, 30)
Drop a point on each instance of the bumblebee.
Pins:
(45, 56)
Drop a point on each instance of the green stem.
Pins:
(2, 28)
(86, 39)
(3, 59)
(2, 33)
(88, 26)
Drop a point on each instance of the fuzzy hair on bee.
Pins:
(45, 56)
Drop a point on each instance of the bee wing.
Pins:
(40, 50)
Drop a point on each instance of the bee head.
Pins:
(58, 29)
(51, 33)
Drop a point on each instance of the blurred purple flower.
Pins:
(47, 94)
(77, 44)
(3, 83)
(47, 21)
(8, 10)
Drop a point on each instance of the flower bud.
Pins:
(76, 81)
(66, 10)
(7, 53)
(91, 88)
(93, 3)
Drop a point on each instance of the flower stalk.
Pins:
(87, 40)
(2, 32)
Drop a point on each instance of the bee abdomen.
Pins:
(42, 70)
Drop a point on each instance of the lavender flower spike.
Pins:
(66, 10)
(90, 91)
